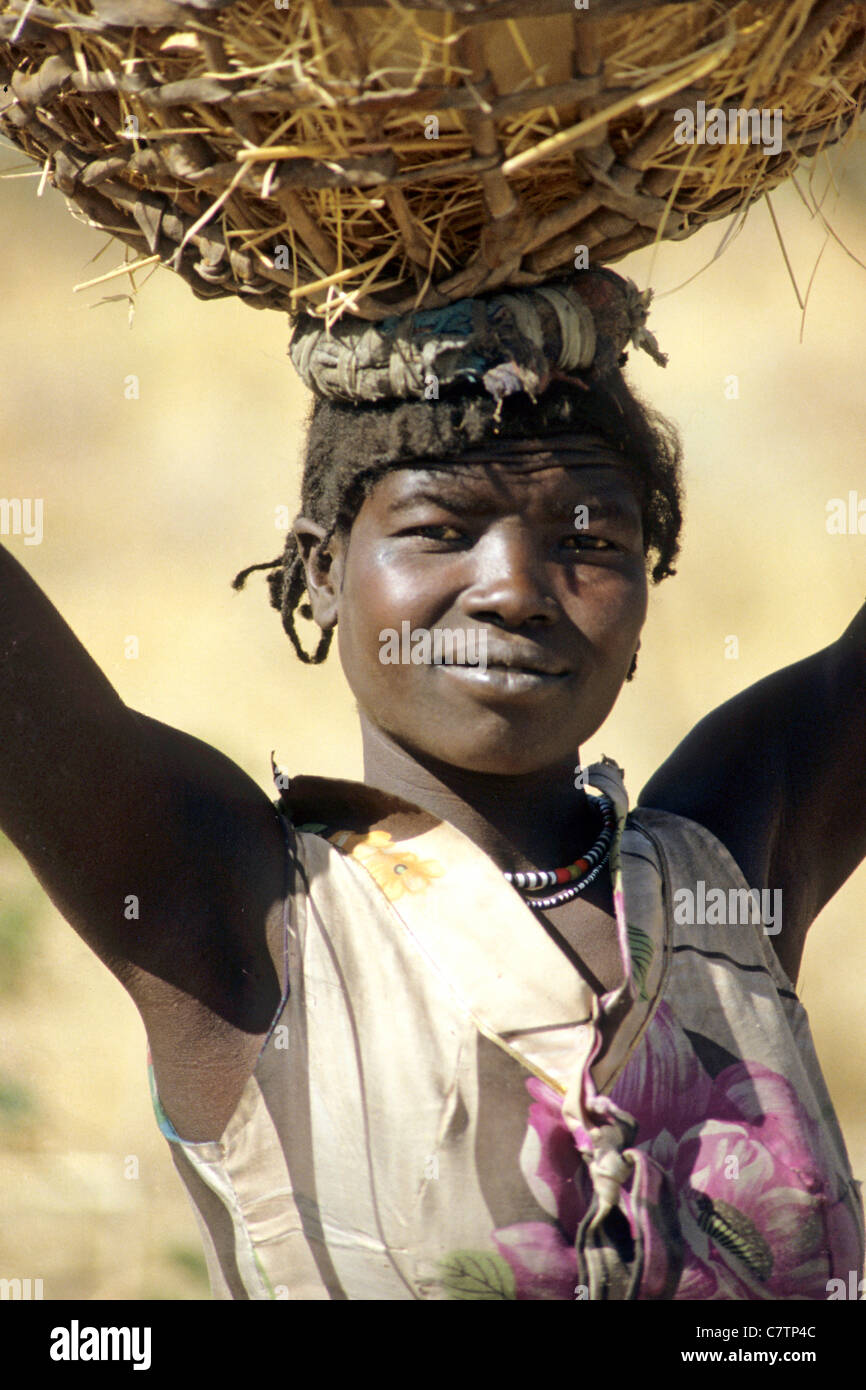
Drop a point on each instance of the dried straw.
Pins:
(283, 154)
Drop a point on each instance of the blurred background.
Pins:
(153, 503)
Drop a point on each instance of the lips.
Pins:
(498, 682)
(527, 660)
(526, 668)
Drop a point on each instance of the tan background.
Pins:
(152, 505)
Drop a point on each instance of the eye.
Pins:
(584, 542)
(443, 531)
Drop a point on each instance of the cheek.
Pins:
(633, 601)
(608, 606)
(377, 596)
(381, 590)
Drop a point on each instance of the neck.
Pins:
(535, 820)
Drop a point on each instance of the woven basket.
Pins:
(373, 158)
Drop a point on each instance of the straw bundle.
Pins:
(377, 157)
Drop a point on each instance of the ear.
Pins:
(323, 569)
(633, 667)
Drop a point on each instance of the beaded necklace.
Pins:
(585, 869)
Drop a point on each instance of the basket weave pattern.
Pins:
(380, 157)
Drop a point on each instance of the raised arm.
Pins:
(778, 774)
(162, 854)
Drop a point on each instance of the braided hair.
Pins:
(350, 447)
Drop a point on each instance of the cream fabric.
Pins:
(384, 1137)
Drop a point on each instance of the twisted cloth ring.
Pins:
(511, 342)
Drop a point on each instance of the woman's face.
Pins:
(534, 562)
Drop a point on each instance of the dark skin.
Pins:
(105, 802)
(496, 547)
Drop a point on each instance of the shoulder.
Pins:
(212, 850)
(204, 960)
(776, 775)
(721, 802)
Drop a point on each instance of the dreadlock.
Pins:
(350, 447)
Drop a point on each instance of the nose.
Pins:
(511, 583)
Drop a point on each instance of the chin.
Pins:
(517, 739)
(514, 756)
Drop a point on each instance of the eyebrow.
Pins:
(439, 497)
(606, 509)
(460, 500)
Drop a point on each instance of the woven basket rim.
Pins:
(221, 221)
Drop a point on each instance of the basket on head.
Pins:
(378, 157)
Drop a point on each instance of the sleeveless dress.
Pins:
(444, 1109)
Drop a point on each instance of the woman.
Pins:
(382, 1074)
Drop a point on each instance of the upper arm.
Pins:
(160, 852)
(173, 876)
(777, 774)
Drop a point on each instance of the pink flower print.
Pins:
(663, 1084)
(549, 1159)
(542, 1254)
(544, 1264)
(760, 1220)
(755, 1202)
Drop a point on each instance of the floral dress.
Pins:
(444, 1109)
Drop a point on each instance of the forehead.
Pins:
(541, 482)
